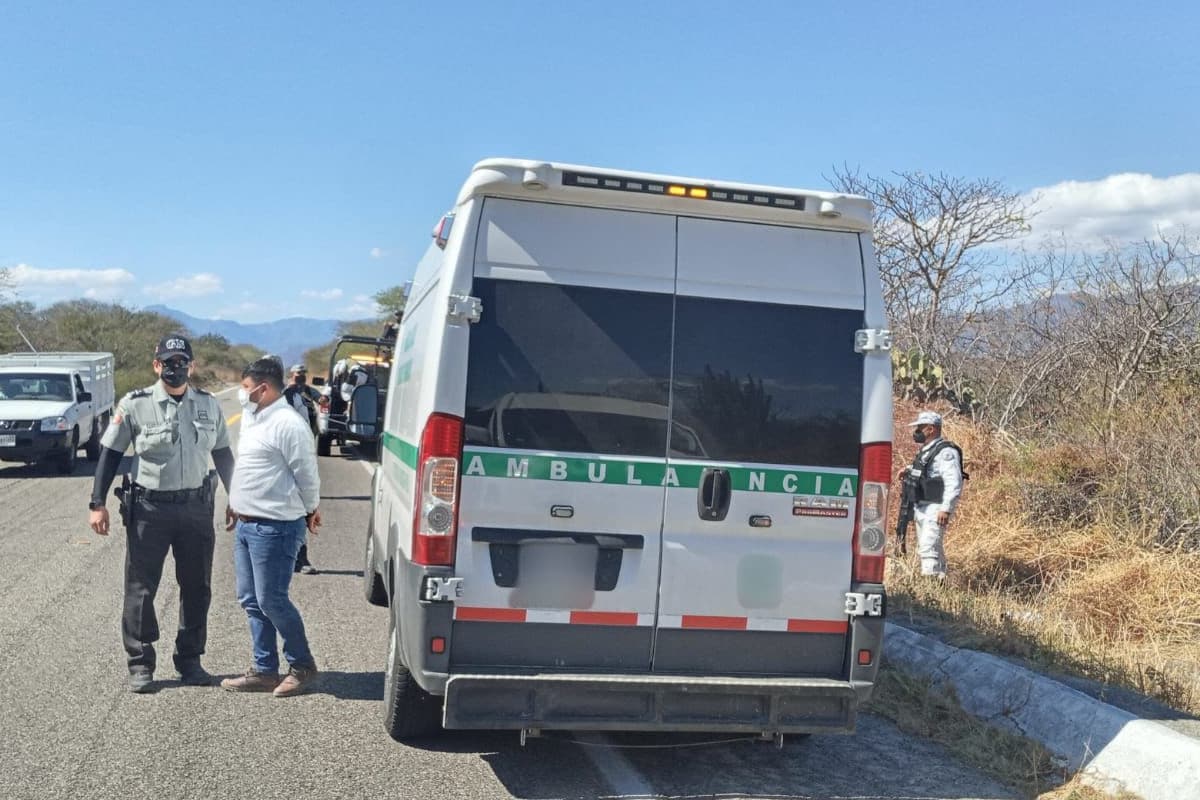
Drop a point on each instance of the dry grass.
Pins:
(1077, 791)
(1081, 591)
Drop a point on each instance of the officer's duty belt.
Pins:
(176, 496)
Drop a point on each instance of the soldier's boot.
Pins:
(141, 681)
(192, 674)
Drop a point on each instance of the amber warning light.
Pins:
(717, 193)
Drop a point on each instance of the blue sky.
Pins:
(237, 159)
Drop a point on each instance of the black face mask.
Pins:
(174, 375)
(919, 436)
(300, 380)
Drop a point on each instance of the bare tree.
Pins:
(1020, 354)
(936, 239)
(1137, 311)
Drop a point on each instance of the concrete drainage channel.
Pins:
(1111, 748)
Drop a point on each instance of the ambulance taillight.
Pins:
(870, 538)
(435, 506)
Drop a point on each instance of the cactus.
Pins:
(916, 377)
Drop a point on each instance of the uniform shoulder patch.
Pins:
(202, 391)
(136, 393)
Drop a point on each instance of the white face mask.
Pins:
(248, 406)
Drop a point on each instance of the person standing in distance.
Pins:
(937, 475)
(174, 429)
(303, 398)
(275, 497)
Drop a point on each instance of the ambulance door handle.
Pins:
(714, 494)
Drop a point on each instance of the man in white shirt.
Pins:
(275, 495)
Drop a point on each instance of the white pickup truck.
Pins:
(52, 404)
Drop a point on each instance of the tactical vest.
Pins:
(929, 489)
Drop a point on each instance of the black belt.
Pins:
(260, 520)
(176, 496)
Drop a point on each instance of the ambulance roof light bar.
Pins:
(620, 183)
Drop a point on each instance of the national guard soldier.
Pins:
(174, 429)
(934, 483)
(302, 397)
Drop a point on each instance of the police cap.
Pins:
(171, 346)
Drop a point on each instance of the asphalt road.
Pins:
(70, 729)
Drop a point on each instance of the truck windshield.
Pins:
(35, 386)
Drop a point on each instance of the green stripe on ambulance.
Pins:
(520, 466)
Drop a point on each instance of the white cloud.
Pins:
(50, 285)
(378, 252)
(189, 286)
(322, 294)
(360, 307)
(1126, 207)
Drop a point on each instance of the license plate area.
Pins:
(8, 440)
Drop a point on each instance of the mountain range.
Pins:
(288, 338)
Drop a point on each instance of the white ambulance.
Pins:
(637, 449)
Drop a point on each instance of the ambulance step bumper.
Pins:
(653, 702)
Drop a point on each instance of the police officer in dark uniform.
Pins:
(174, 430)
(304, 399)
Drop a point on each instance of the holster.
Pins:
(210, 487)
(127, 496)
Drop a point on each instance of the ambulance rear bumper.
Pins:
(653, 703)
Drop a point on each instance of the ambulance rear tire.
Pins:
(323, 443)
(409, 712)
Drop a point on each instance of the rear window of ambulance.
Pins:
(588, 370)
(769, 384)
(569, 369)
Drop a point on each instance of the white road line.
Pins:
(369, 467)
(622, 777)
(227, 391)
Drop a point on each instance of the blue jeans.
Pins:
(264, 554)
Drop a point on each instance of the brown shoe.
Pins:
(252, 681)
(298, 681)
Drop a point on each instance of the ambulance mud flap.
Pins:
(651, 702)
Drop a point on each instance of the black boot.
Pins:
(302, 563)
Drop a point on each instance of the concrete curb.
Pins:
(1111, 748)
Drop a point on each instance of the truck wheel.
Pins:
(409, 712)
(373, 588)
(323, 445)
(92, 448)
(66, 463)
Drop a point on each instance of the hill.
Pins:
(288, 338)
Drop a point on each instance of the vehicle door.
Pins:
(565, 438)
(766, 397)
(83, 406)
